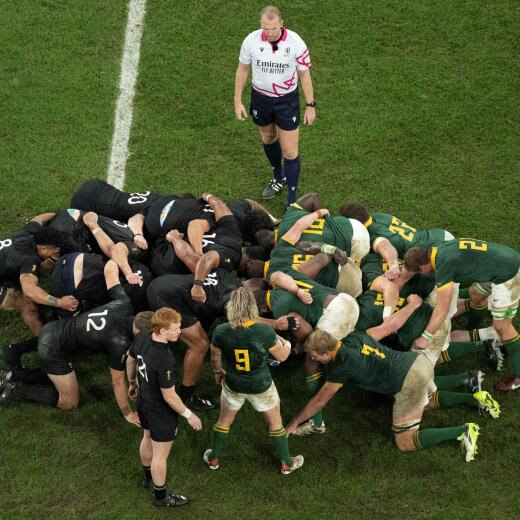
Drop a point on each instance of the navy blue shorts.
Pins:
(283, 111)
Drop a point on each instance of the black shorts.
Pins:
(159, 419)
(177, 296)
(52, 360)
(165, 261)
(228, 243)
(283, 111)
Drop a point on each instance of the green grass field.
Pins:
(418, 116)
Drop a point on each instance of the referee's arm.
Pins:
(308, 91)
(240, 82)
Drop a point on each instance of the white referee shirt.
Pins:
(274, 73)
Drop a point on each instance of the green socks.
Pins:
(449, 382)
(512, 347)
(218, 441)
(313, 383)
(461, 349)
(281, 445)
(475, 314)
(445, 399)
(432, 436)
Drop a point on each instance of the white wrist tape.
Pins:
(387, 311)
(187, 413)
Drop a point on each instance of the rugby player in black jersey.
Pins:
(81, 232)
(108, 328)
(151, 373)
(174, 291)
(104, 199)
(21, 257)
(81, 274)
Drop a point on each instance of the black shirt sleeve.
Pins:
(166, 370)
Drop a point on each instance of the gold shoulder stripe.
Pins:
(445, 286)
(433, 258)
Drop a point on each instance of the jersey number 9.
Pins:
(242, 360)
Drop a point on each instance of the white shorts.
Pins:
(501, 296)
(360, 245)
(440, 341)
(340, 316)
(260, 402)
(432, 299)
(350, 279)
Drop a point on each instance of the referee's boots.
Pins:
(273, 188)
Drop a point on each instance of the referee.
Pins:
(158, 405)
(277, 57)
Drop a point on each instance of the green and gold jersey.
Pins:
(371, 305)
(282, 302)
(373, 266)
(285, 257)
(467, 261)
(244, 355)
(401, 235)
(366, 363)
(336, 231)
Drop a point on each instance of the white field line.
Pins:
(124, 107)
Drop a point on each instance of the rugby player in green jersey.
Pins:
(494, 271)
(391, 237)
(325, 231)
(361, 360)
(242, 346)
(408, 321)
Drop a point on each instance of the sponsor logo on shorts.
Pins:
(294, 119)
(255, 113)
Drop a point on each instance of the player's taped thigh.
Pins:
(404, 427)
(350, 279)
(483, 288)
(505, 298)
(340, 316)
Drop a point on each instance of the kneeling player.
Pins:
(364, 362)
(245, 346)
(108, 328)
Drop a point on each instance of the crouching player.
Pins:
(245, 345)
(151, 365)
(364, 362)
